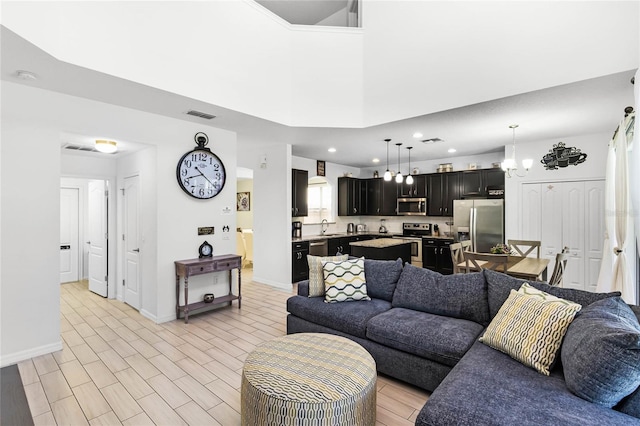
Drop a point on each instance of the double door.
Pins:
(442, 189)
(567, 214)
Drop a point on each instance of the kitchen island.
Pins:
(382, 249)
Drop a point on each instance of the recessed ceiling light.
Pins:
(376, 160)
(331, 150)
(451, 150)
(417, 135)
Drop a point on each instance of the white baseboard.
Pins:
(275, 284)
(16, 357)
(148, 315)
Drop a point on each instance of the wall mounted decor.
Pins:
(563, 156)
(244, 204)
(320, 168)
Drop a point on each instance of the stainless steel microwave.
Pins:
(412, 207)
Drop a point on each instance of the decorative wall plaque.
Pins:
(563, 156)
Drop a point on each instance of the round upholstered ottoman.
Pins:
(309, 379)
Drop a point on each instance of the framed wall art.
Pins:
(244, 203)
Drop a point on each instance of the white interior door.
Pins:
(69, 234)
(132, 241)
(573, 233)
(98, 233)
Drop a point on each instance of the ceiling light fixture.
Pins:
(417, 135)
(510, 165)
(409, 177)
(387, 174)
(399, 175)
(331, 150)
(108, 147)
(451, 150)
(376, 160)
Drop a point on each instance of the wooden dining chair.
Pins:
(558, 269)
(466, 246)
(456, 257)
(524, 247)
(480, 261)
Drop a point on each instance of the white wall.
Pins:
(272, 203)
(595, 146)
(35, 119)
(30, 227)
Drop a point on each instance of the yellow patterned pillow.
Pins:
(316, 278)
(344, 281)
(530, 326)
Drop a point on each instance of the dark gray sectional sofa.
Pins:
(423, 328)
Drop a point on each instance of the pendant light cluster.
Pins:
(399, 178)
(510, 165)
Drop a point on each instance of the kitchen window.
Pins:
(319, 197)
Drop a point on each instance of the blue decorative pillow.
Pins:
(382, 277)
(461, 296)
(499, 286)
(601, 353)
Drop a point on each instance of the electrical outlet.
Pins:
(215, 279)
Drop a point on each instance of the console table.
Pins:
(207, 265)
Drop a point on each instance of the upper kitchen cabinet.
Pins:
(476, 183)
(493, 178)
(352, 196)
(416, 190)
(442, 189)
(299, 182)
(381, 197)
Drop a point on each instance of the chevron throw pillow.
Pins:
(529, 327)
(344, 281)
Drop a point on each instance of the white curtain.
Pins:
(634, 178)
(620, 257)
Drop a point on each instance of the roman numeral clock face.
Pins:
(201, 174)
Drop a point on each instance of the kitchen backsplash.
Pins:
(393, 224)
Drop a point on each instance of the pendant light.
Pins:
(387, 174)
(409, 177)
(399, 175)
(510, 165)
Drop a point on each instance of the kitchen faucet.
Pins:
(324, 226)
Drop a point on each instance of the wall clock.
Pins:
(200, 172)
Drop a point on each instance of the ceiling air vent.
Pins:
(201, 114)
(83, 148)
(432, 140)
(73, 147)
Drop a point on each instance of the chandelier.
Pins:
(510, 165)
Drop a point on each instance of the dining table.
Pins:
(529, 268)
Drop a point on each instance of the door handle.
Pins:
(88, 242)
(65, 247)
(136, 250)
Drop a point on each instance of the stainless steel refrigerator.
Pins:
(481, 221)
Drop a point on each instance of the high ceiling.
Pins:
(304, 12)
(582, 106)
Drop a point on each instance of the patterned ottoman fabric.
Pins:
(309, 379)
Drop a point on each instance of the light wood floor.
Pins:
(118, 367)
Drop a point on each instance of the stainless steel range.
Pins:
(413, 233)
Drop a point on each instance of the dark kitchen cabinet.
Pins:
(352, 196)
(381, 197)
(442, 189)
(338, 246)
(299, 265)
(389, 198)
(494, 179)
(472, 184)
(374, 197)
(416, 190)
(299, 182)
(475, 183)
(436, 255)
